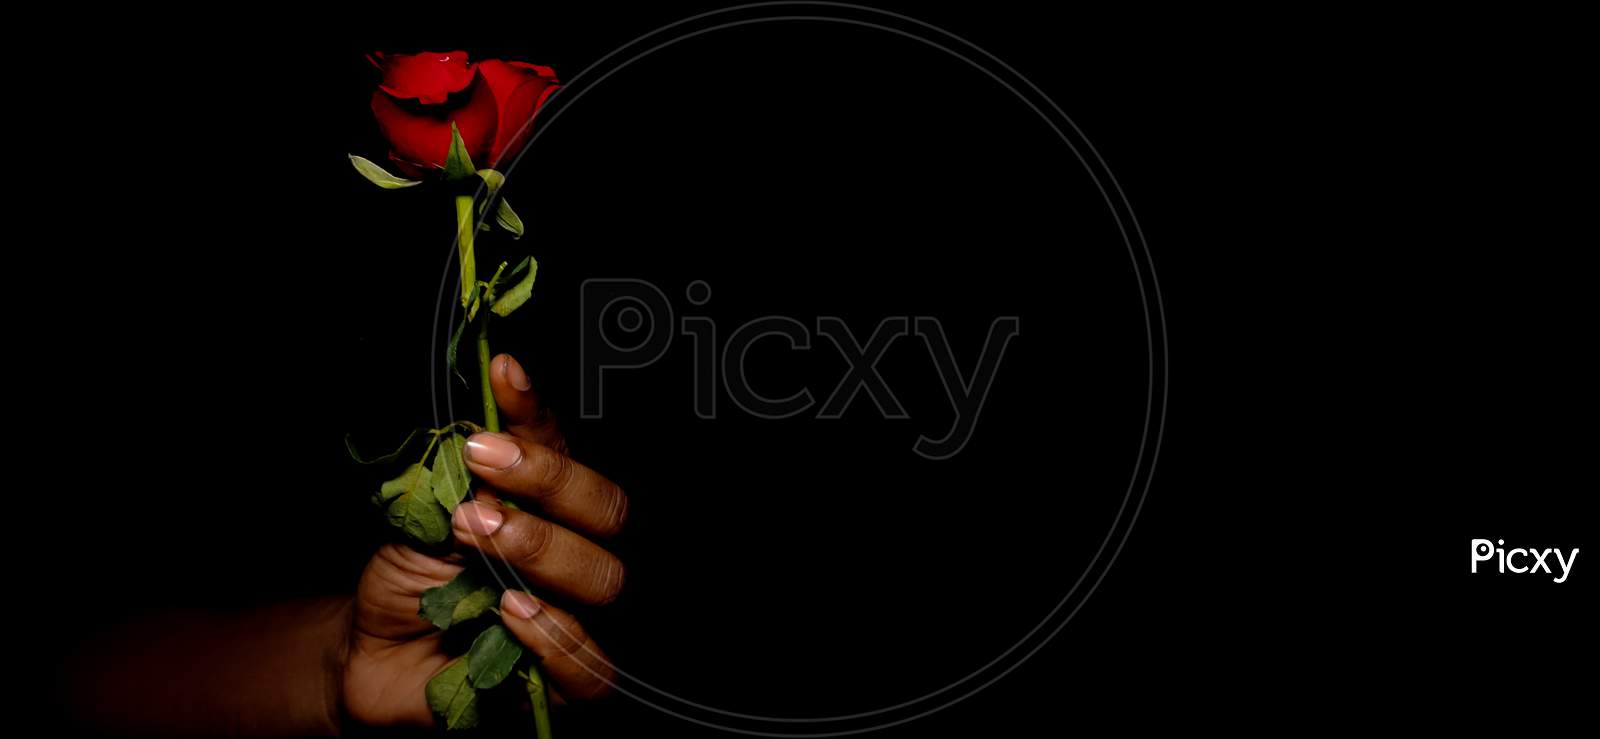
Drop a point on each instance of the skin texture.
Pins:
(313, 667)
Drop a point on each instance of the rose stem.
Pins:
(541, 703)
(491, 413)
(467, 229)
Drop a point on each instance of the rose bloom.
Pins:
(490, 102)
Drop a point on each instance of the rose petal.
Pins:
(519, 89)
(429, 77)
(542, 71)
(419, 136)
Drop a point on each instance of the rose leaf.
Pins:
(492, 657)
(418, 514)
(453, 350)
(474, 604)
(414, 477)
(439, 603)
(452, 697)
(521, 267)
(508, 219)
(450, 478)
(379, 176)
(517, 295)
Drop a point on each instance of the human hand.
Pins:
(393, 651)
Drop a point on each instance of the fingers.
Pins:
(390, 586)
(547, 554)
(570, 492)
(531, 461)
(571, 661)
(524, 415)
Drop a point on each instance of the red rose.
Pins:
(490, 102)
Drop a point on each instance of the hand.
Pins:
(393, 652)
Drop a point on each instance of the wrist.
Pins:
(336, 661)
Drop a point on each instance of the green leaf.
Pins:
(454, 349)
(452, 697)
(516, 296)
(507, 218)
(458, 164)
(450, 479)
(521, 267)
(379, 176)
(474, 604)
(422, 520)
(493, 656)
(494, 180)
(439, 604)
(418, 514)
(387, 458)
(397, 511)
(414, 477)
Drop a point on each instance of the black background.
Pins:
(1367, 254)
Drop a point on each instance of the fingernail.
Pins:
(519, 604)
(515, 375)
(493, 450)
(476, 518)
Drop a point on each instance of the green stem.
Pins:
(539, 698)
(466, 234)
(491, 412)
(466, 231)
